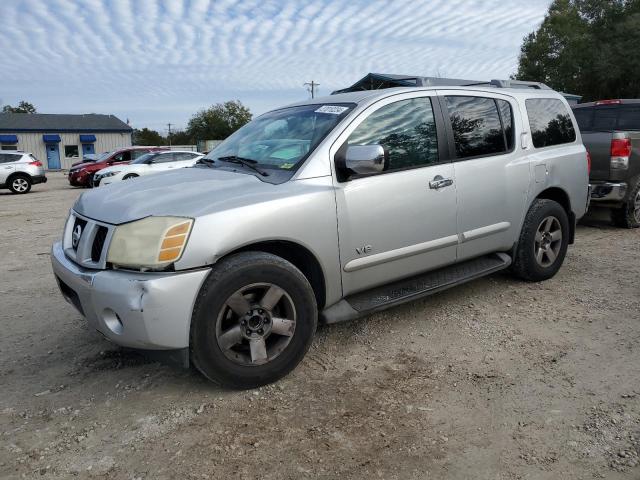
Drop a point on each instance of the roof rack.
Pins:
(376, 81)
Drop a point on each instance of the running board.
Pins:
(385, 296)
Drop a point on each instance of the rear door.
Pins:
(492, 179)
(7, 165)
(393, 224)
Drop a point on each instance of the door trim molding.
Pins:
(398, 253)
(484, 231)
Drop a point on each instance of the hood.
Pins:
(117, 168)
(187, 192)
(79, 165)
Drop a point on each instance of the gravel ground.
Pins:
(496, 379)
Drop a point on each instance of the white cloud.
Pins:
(156, 61)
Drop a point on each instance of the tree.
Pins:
(23, 107)
(587, 47)
(147, 137)
(218, 121)
(181, 137)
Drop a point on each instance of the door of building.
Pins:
(87, 148)
(53, 156)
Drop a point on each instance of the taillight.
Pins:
(620, 153)
(608, 102)
(588, 163)
(36, 163)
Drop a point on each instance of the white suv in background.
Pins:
(153, 162)
(20, 170)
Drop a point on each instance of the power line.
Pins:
(312, 88)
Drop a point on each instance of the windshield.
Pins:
(101, 156)
(282, 139)
(144, 158)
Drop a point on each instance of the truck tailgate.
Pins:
(598, 144)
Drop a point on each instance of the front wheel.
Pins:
(253, 321)
(130, 176)
(543, 241)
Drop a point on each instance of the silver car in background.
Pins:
(20, 170)
(327, 209)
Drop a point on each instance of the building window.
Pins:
(9, 147)
(71, 151)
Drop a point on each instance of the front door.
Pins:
(53, 156)
(88, 149)
(397, 223)
(492, 178)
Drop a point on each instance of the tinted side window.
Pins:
(138, 153)
(9, 157)
(165, 158)
(550, 122)
(629, 118)
(476, 126)
(584, 117)
(407, 129)
(506, 114)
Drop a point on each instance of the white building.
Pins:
(60, 140)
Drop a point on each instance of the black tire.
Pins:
(130, 176)
(628, 216)
(525, 264)
(20, 184)
(227, 278)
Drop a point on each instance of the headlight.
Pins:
(108, 174)
(153, 242)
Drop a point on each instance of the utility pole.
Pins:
(312, 88)
(169, 135)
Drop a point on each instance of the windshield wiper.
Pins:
(205, 161)
(247, 162)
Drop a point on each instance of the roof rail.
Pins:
(512, 84)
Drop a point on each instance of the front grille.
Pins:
(89, 248)
(98, 243)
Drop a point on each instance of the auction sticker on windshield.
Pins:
(332, 109)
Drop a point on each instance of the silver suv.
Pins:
(327, 209)
(20, 170)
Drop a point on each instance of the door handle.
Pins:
(439, 182)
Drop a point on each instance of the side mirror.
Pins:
(366, 159)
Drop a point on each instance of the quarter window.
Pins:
(71, 151)
(550, 122)
(407, 129)
(477, 130)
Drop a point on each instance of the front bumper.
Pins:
(80, 179)
(608, 192)
(139, 310)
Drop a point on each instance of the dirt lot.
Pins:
(497, 379)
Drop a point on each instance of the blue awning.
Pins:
(8, 139)
(87, 138)
(50, 138)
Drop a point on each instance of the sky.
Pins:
(156, 62)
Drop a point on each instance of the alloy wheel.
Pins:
(256, 324)
(636, 207)
(548, 241)
(20, 185)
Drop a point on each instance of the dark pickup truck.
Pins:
(611, 133)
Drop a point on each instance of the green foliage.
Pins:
(147, 137)
(587, 47)
(181, 137)
(218, 121)
(23, 107)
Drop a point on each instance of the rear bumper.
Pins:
(140, 310)
(608, 192)
(39, 179)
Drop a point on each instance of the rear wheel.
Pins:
(628, 216)
(543, 241)
(253, 321)
(20, 184)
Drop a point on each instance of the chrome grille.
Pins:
(91, 242)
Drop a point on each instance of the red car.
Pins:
(81, 173)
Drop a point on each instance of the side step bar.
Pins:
(385, 296)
